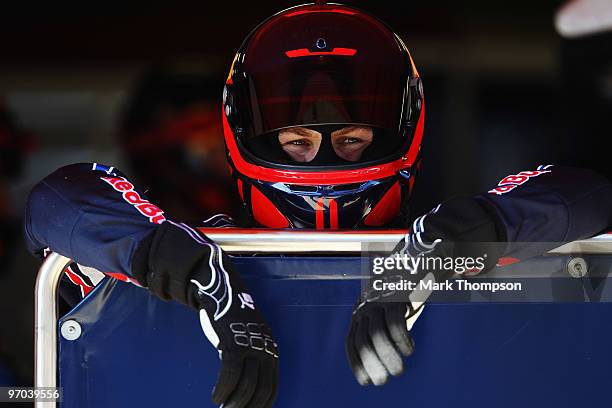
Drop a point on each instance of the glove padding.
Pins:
(379, 336)
(249, 355)
(379, 339)
(182, 264)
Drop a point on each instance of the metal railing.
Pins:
(45, 323)
(255, 241)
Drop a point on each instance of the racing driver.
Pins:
(323, 118)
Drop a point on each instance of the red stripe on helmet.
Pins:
(386, 208)
(265, 212)
(319, 214)
(333, 214)
(305, 52)
(339, 11)
(415, 145)
(240, 186)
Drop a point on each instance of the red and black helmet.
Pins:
(323, 120)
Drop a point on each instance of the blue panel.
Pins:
(139, 351)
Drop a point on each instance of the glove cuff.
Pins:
(166, 260)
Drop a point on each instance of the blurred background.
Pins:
(508, 86)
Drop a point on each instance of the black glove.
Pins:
(379, 337)
(179, 263)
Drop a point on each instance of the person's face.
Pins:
(302, 144)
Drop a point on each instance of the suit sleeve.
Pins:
(550, 206)
(92, 214)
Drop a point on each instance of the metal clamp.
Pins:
(71, 330)
(577, 267)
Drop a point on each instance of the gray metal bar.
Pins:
(599, 245)
(296, 242)
(45, 323)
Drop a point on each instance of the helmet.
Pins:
(323, 119)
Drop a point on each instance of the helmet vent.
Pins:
(303, 189)
(347, 187)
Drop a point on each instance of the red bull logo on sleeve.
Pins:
(146, 208)
(512, 181)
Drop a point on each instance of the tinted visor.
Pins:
(324, 145)
(322, 68)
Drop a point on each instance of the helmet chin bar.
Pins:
(370, 204)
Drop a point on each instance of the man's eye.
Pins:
(298, 142)
(350, 140)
